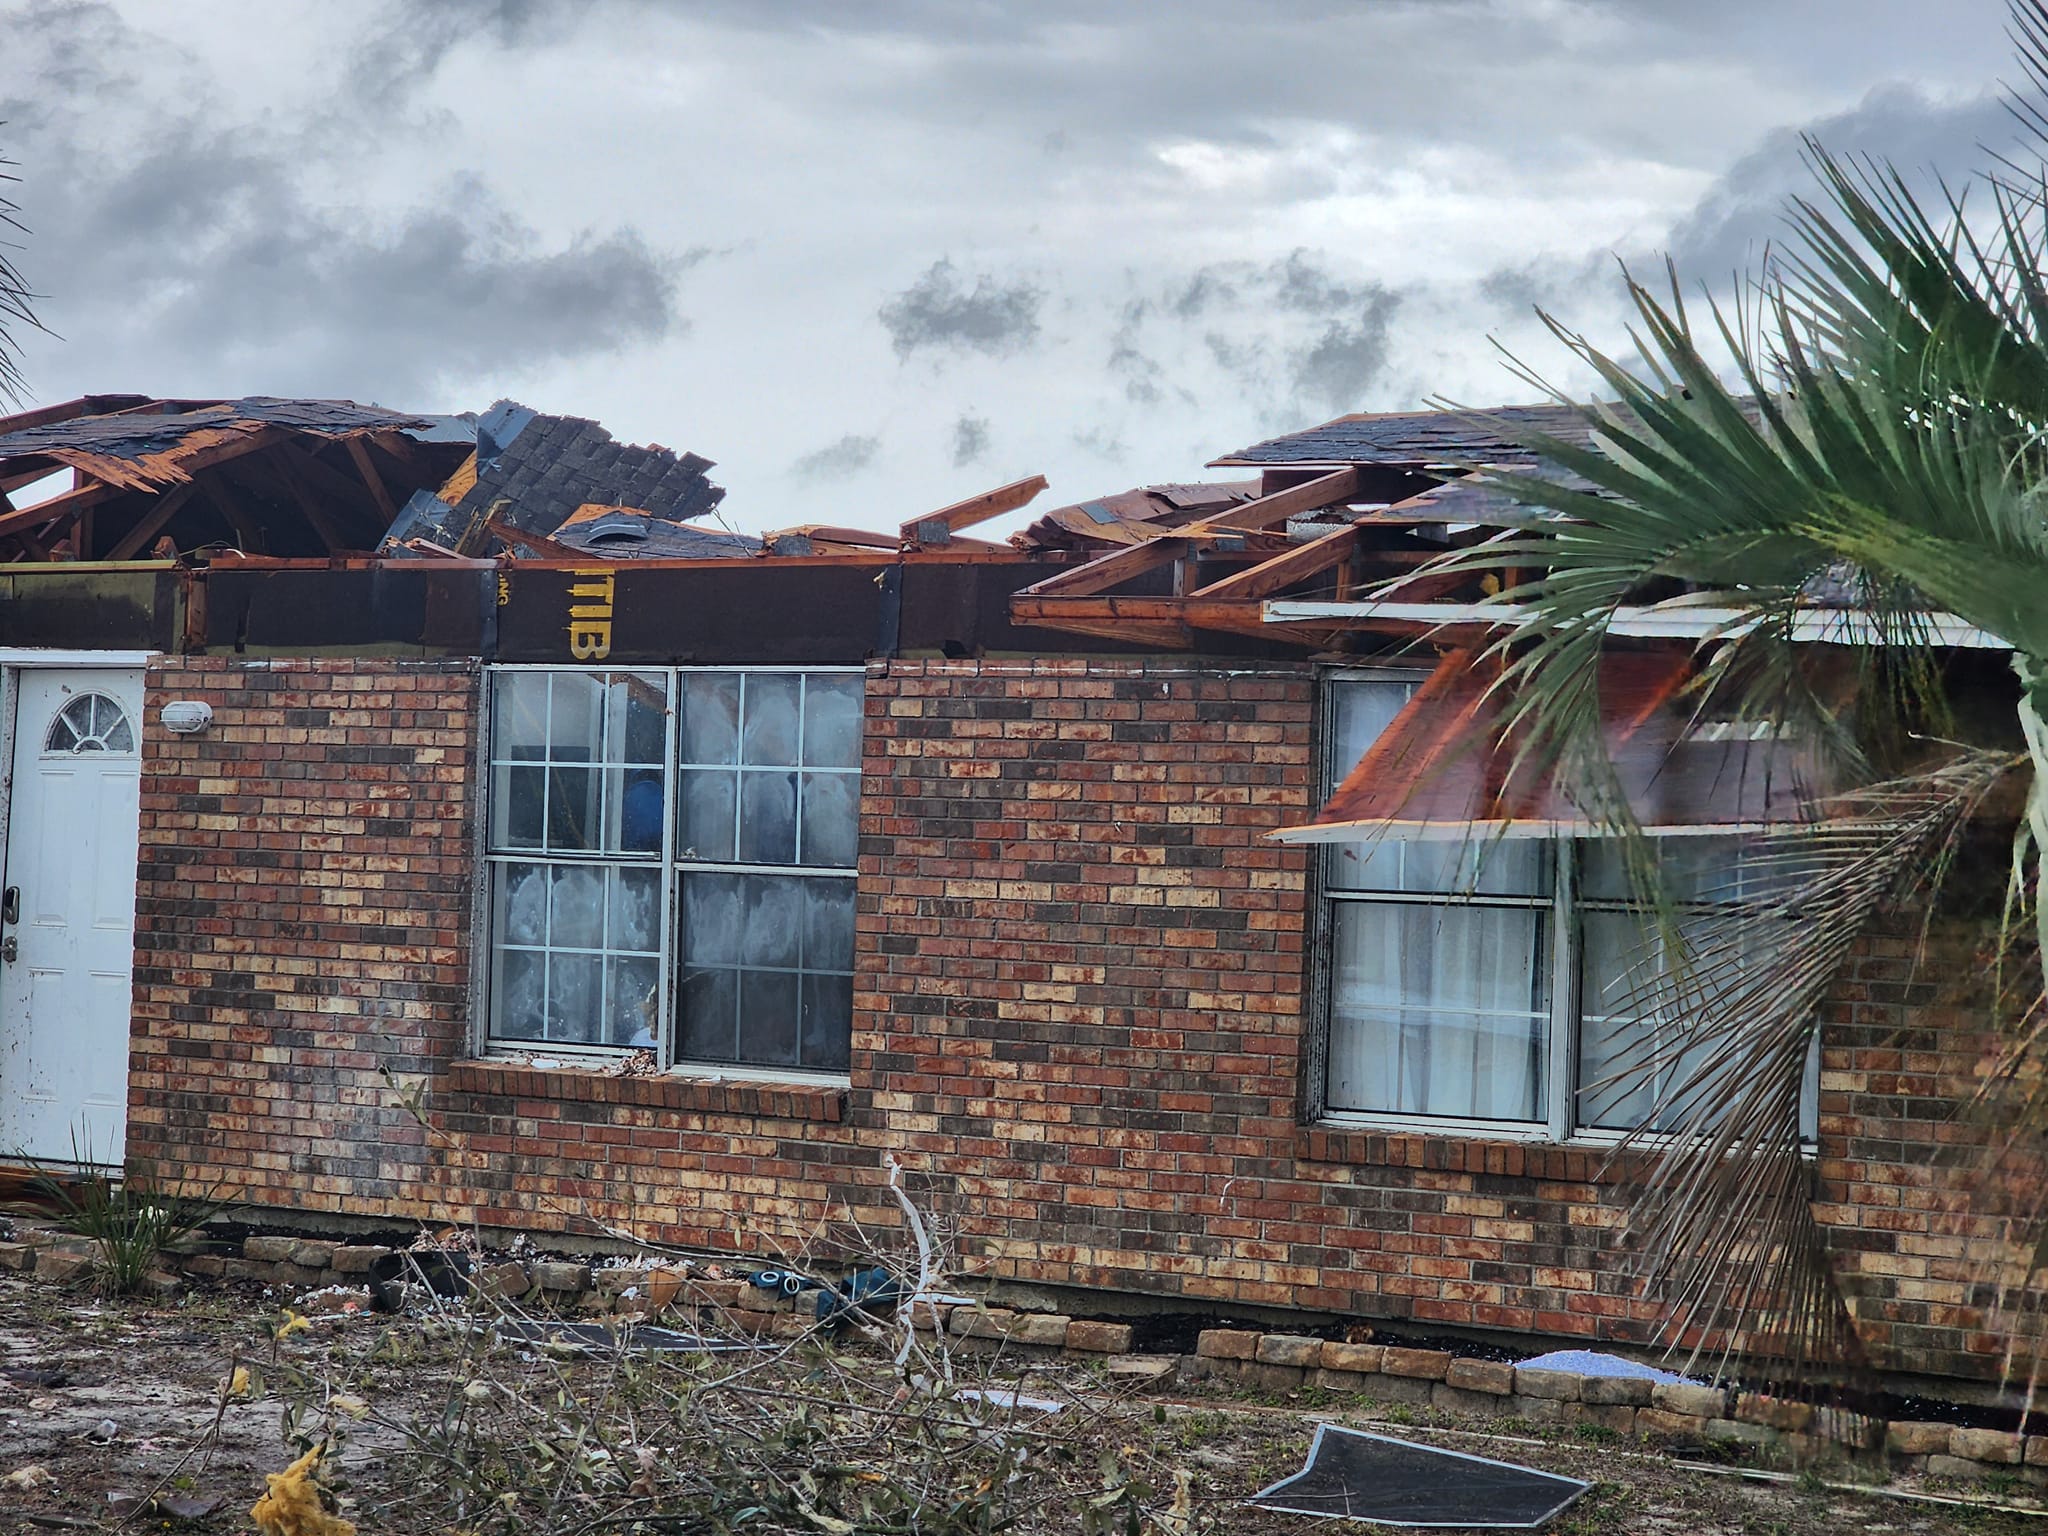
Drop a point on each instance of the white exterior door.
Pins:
(67, 919)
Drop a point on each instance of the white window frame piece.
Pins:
(1564, 907)
(666, 860)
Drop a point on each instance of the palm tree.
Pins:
(16, 298)
(1885, 441)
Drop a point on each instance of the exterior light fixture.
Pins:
(185, 716)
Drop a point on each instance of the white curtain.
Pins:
(1439, 1010)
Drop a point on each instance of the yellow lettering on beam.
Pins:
(590, 623)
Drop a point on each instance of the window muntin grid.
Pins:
(91, 722)
(751, 960)
(1565, 904)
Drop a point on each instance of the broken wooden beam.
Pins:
(1283, 571)
(937, 528)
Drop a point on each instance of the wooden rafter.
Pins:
(224, 496)
(160, 512)
(1110, 570)
(1269, 511)
(22, 519)
(285, 466)
(360, 452)
(1283, 571)
(939, 527)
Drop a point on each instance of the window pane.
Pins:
(767, 833)
(634, 992)
(635, 910)
(831, 820)
(577, 916)
(827, 1029)
(575, 998)
(572, 809)
(1439, 1010)
(828, 924)
(640, 810)
(518, 993)
(773, 906)
(707, 1018)
(712, 919)
(518, 799)
(1702, 868)
(1637, 998)
(707, 814)
(710, 727)
(519, 716)
(768, 1018)
(832, 721)
(520, 903)
(1452, 866)
(576, 718)
(770, 734)
(643, 737)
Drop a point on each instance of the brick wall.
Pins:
(1080, 981)
(301, 920)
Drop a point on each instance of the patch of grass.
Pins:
(128, 1218)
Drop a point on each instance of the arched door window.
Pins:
(92, 722)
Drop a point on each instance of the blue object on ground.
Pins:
(1588, 1362)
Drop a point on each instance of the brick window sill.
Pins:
(821, 1102)
(1458, 1153)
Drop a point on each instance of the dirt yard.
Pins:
(123, 1415)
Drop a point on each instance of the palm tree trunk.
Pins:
(2033, 673)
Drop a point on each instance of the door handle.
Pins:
(10, 904)
(10, 949)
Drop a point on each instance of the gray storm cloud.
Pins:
(849, 455)
(940, 313)
(970, 440)
(196, 257)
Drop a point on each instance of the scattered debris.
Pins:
(296, 1505)
(25, 1479)
(1352, 1475)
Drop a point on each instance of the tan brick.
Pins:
(356, 1259)
(980, 1323)
(1660, 1424)
(269, 1250)
(1561, 1385)
(1626, 1391)
(1988, 1445)
(1288, 1349)
(1099, 1338)
(1226, 1344)
(1338, 1381)
(1701, 1402)
(1428, 1364)
(313, 1253)
(1777, 1412)
(1362, 1359)
(1907, 1437)
(1041, 1330)
(1495, 1377)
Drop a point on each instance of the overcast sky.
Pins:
(874, 258)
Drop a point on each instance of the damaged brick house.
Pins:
(694, 876)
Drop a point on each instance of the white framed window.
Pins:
(671, 859)
(1498, 985)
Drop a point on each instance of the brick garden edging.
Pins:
(1268, 1362)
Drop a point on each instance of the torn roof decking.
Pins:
(266, 475)
(540, 485)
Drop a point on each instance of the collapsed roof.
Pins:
(263, 475)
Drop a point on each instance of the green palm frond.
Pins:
(1882, 437)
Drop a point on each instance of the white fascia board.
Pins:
(1820, 626)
